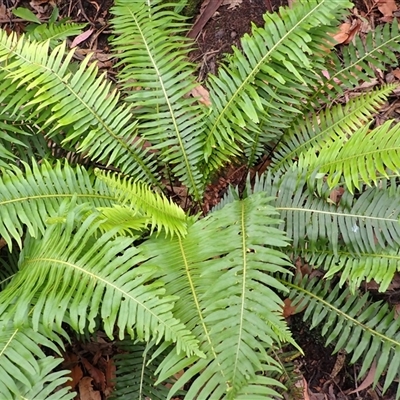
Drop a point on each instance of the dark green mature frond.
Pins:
(379, 266)
(317, 131)
(135, 374)
(56, 32)
(262, 89)
(222, 272)
(28, 198)
(158, 79)
(68, 271)
(25, 370)
(363, 158)
(363, 224)
(357, 63)
(79, 104)
(367, 329)
(160, 212)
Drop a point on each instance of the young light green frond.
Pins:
(314, 132)
(363, 158)
(363, 224)
(25, 370)
(357, 63)
(379, 266)
(125, 220)
(60, 269)
(80, 104)
(260, 91)
(161, 213)
(158, 79)
(222, 272)
(368, 330)
(28, 198)
(135, 375)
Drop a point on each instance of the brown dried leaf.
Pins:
(369, 379)
(288, 309)
(95, 373)
(386, 7)
(344, 31)
(86, 390)
(201, 94)
(76, 375)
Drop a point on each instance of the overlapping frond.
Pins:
(69, 271)
(25, 370)
(28, 198)
(363, 158)
(160, 212)
(368, 330)
(80, 104)
(135, 375)
(379, 266)
(56, 32)
(158, 78)
(222, 272)
(261, 90)
(314, 132)
(362, 223)
(357, 62)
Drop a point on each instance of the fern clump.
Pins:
(100, 243)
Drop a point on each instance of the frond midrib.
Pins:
(344, 316)
(322, 133)
(352, 66)
(170, 109)
(57, 196)
(243, 294)
(89, 109)
(338, 214)
(96, 278)
(344, 160)
(197, 301)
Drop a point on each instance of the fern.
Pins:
(99, 245)
(157, 79)
(221, 301)
(368, 330)
(274, 76)
(81, 104)
(377, 155)
(26, 372)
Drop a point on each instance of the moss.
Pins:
(191, 8)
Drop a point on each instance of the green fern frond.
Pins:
(158, 79)
(317, 131)
(25, 371)
(357, 63)
(160, 212)
(56, 32)
(81, 105)
(123, 219)
(379, 266)
(363, 158)
(261, 90)
(58, 271)
(368, 330)
(135, 375)
(363, 224)
(222, 272)
(28, 198)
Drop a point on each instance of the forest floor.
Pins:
(217, 25)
